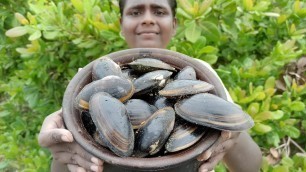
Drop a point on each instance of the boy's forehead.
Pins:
(139, 3)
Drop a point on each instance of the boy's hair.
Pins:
(172, 4)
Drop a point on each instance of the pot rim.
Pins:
(74, 124)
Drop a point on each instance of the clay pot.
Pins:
(182, 161)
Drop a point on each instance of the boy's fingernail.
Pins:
(204, 156)
(96, 161)
(226, 135)
(94, 168)
(203, 170)
(207, 155)
(65, 138)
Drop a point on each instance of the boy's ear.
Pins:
(121, 32)
(174, 26)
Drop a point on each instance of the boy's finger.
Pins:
(54, 136)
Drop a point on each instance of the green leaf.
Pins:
(277, 114)
(286, 161)
(88, 44)
(201, 42)
(183, 13)
(193, 32)
(35, 35)
(291, 131)
(270, 83)
(281, 168)
(208, 50)
(210, 31)
(263, 116)
(108, 35)
(297, 106)
(51, 35)
(4, 164)
(273, 138)
(209, 58)
(4, 113)
(78, 4)
(16, 31)
(253, 109)
(262, 128)
(248, 4)
(204, 6)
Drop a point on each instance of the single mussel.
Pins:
(212, 111)
(151, 137)
(184, 135)
(120, 88)
(138, 111)
(110, 117)
(105, 67)
(185, 87)
(187, 73)
(145, 65)
(150, 81)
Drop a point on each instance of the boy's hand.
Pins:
(64, 149)
(215, 153)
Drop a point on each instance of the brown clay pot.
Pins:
(182, 161)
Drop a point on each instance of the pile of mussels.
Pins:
(146, 106)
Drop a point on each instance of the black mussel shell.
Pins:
(187, 73)
(162, 102)
(105, 67)
(120, 88)
(111, 120)
(184, 135)
(98, 138)
(185, 87)
(212, 111)
(152, 136)
(88, 123)
(129, 74)
(150, 81)
(145, 65)
(138, 111)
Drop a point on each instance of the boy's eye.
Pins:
(135, 13)
(160, 12)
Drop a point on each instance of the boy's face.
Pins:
(147, 23)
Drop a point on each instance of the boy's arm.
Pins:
(245, 155)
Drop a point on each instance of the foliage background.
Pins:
(253, 45)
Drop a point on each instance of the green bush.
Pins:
(249, 43)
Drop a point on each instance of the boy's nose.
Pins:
(148, 19)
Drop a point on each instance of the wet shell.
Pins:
(212, 111)
(111, 120)
(120, 88)
(88, 123)
(129, 74)
(151, 137)
(98, 138)
(162, 102)
(138, 111)
(149, 64)
(151, 80)
(184, 135)
(105, 67)
(187, 73)
(185, 87)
